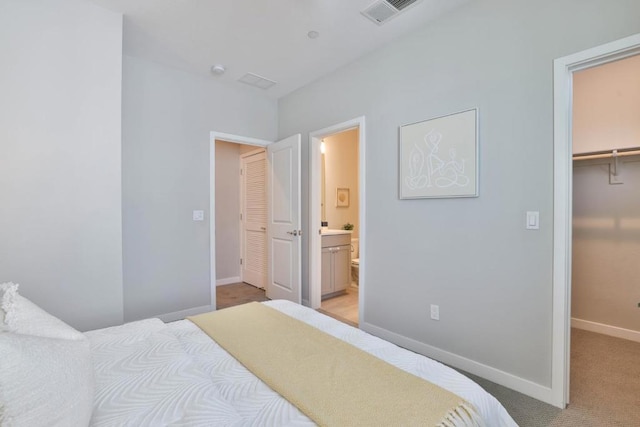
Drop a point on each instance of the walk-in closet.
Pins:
(606, 199)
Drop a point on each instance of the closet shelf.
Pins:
(615, 166)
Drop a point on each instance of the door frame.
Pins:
(315, 252)
(236, 139)
(563, 69)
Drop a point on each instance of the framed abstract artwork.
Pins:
(439, 157)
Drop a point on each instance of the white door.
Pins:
(253, 217)
(283, 220)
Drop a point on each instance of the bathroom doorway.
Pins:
(337, 221)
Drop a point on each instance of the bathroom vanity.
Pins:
(336, 262)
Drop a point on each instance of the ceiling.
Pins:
(264, 37)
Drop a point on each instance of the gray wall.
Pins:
(167, 118)
(473, 257)
(606, 244)
(227, 210)
(60, 188)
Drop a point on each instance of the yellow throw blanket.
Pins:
(329, 380)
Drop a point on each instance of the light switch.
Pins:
(533, 220)
(198, 215)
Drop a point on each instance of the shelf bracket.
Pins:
(615, 172)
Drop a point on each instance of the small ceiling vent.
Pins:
(256, 81)
(383, 10)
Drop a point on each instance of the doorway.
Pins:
(606, 239)
(283, 229)
(340, 263)
(228, 246)
(564, 69)
(345, 197)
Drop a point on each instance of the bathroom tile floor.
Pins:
(343, 307)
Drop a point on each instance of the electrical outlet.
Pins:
(435, 312)
(198, 215)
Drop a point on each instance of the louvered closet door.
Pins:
(254, 220)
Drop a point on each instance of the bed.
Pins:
(148, 373)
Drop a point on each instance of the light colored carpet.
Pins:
(605, 387)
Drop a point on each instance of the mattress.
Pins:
(150, 374)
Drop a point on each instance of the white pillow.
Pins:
(24, 317)
(45, 381)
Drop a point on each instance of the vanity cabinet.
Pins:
(336, 264)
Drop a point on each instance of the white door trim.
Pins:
(563, 69)
(315, 253)
(237, 139)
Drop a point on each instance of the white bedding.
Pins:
(152, 374)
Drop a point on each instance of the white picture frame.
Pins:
(439, 157)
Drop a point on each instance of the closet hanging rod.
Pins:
(631, 151)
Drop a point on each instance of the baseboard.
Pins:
(601, 328)
(227, 281)
(179, 315)
(497, 376)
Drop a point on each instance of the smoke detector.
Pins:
(382, 11)
(218, 69)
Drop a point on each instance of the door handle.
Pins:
(263, 228)
(293, 233)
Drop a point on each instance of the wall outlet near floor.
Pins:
(435, 312)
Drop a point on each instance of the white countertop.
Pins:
(331, 232)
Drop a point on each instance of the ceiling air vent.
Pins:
(381, 11)
(256, 81)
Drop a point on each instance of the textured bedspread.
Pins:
(332, 382)
(152, 374)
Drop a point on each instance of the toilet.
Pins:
(355, 261)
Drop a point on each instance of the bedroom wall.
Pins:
(168, 115)
(473, 257)
(60, 185)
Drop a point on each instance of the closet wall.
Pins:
(606, 217)
(227, 212)
(227, 194)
